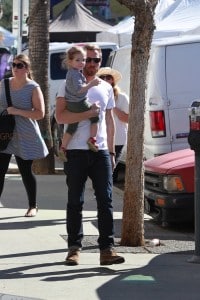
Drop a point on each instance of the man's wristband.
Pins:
(112, 153)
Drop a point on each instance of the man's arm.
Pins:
(110, 127)
(63, 116)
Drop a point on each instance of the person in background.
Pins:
(76, 95)
(83, 163)
(121, 113)
(27, 143)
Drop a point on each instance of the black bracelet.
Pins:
(112, 153)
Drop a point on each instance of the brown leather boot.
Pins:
(72, 258)
(110, 257)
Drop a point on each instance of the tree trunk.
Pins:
(38, 52)
(133, 209)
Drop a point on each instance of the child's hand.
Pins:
(95, 82)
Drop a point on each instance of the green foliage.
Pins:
(117, 10)
(6, 20)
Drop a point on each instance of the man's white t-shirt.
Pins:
(103, 95)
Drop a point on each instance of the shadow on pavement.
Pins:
(28, 223)
(167, 276)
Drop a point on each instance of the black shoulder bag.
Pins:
(7, 122)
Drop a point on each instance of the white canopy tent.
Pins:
(181, 17)
(119, 34)
(172, 18)
(193, 31)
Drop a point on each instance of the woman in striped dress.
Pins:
(27, 143)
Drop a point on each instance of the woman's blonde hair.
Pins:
(26, 61)
(116, 90)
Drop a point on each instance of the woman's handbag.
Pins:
(7, 122)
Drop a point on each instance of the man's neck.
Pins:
(89, 78)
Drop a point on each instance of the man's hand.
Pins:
(64, 116)
(94, 110)
(112, 157)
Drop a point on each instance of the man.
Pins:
(83, 163)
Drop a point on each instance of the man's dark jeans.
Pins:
(80, 165)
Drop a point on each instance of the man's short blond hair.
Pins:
(93, 47)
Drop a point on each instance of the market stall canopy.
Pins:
(181, 17)
(76, 24)
(172, 18)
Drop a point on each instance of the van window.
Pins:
(105, 56)
(58, 72)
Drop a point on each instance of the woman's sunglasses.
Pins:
(96, 60)
(106, 77)
(18, 66)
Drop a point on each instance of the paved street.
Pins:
(32, 252)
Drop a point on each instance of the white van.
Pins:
(173, 83)
(56, 74)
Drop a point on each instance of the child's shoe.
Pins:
(62, 154)
(92, 144)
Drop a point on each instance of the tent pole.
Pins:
(19, 37)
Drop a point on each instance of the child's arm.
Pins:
(92, 83)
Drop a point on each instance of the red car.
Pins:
(169, 187)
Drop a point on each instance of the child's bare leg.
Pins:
(65, 141)
(93, 130)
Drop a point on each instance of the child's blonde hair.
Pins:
(72, 52)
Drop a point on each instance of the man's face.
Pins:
(93, 63)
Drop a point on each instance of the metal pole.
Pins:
(1, 9)
(19, 40)
(196, 257)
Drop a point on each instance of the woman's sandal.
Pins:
(31, 212)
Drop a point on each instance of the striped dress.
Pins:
(27, 141)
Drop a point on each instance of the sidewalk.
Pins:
(32, 252)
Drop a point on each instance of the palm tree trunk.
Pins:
(39, 11)
(133, 209)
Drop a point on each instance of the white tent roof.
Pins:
(162, 9)
(181, 16)
(193, 31)
(172, 18)
(125, 26)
